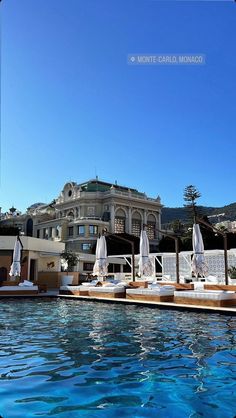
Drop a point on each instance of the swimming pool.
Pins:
(84, 359)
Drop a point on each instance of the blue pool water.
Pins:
(86, 359)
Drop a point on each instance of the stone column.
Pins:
(60, 232)
(158, 224)
(53, 232)
(112, 220)
(145, 217)
(129, 220)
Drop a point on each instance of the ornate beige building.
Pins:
(83, 210)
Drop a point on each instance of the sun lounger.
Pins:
(205, 297)
(18, 290)
(107, 291)
(153, 294)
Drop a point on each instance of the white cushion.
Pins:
(113, 281)
(206, 294)
(19, 288)
(108, 289)
(90, 284)
(125, 284)
(168, 286)
(153, 286)
(26, 283)
(160, 291)
(72, 287)
(157, 286)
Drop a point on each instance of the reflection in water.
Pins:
(85, 359)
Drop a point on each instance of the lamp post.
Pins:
(115, 236)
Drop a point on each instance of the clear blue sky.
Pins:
(72, 107)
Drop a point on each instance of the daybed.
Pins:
(18, 290)
(113, 288)
(107, 291)
(205, 297)
(153, 294)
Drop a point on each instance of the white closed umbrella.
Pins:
(101, 264)
(145, 264)
(15, 269)
(199, 266)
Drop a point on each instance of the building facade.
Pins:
(229, 226)
(82, 211)
(37, 257)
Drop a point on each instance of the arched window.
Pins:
(29, 228)
(151, 225)
(136, 223)
(120, 221)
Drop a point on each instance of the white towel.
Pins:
(26, 283)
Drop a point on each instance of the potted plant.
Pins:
(69, 260)
(232, 272)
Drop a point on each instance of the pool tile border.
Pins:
(161, 305)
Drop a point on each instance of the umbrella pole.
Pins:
(133, 263)
(224, 234)
(226, 260)
(177, 259)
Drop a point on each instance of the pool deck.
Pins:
(54, 293)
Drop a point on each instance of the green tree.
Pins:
(191, 194)
(177, 226)
(70, 258)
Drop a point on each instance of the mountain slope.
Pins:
(182, 214)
